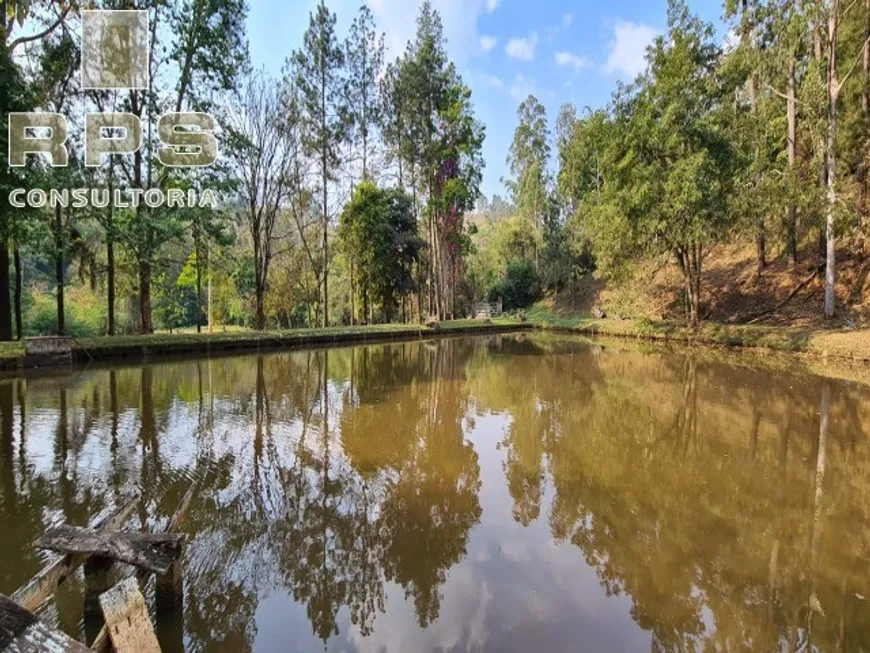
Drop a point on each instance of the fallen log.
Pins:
(795, 291)
(22, 632)
(39, 588)
(152, 551)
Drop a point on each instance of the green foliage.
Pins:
(528, 159)
(520, 287)
(317, 73)
(16, 96)
(209, 48)
(665, 175)
(379, 237)
(174, 303)
(364, 54)
(85, 313)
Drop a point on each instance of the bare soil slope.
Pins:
(733, 292)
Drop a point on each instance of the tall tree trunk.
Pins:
(792, 150)
(146, 326)
(325, 243)
(690, 263)
(821, 146)
(58, 269)
(352, 297)
(144, 238)
(110, 253)
(208, 259)
(19, 322)
(110, 282)
(260, 301)
(198, 287)
(833, 96)
(365, 146)
(5, 298)
(760, 240)
(433, 268)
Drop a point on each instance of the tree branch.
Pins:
(854, 64)
(48, 30)
(781, 94)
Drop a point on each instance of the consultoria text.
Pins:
(80, 198)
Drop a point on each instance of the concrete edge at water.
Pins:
(148, 348)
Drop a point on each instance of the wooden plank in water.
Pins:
(169, 588)
(39, 588)
(152, 551)
(177, 518)
(101, 642)
(127, 619)
(22, 632)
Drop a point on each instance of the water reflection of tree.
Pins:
(401, 505)
(689, 484)
(431, 507)
(713, 535)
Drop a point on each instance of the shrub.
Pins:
(85, 313)
(520, 287)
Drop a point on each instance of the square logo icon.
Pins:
(115, 49)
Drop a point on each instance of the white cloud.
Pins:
(492, 80)
(567, 19)
(521, 88)
(628, 48)
(491, 5)
(523, 49)
(575, 61)
(487, 43)
(397, 18)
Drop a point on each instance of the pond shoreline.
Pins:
(143, 348)
(851, 346)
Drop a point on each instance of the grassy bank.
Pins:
(851, 345)
(12, 355)
(847, 344)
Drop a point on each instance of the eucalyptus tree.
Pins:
(364, 54)
(832, 17)
(528, 158)
(787, 62)
(394, 118)
(749, 27)
(16, 97)
(442, 141)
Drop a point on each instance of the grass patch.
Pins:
(11, 350)
(843, 344)
(134, 346)
(231, 337)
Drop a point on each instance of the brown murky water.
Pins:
(514, 493)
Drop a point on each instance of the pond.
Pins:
(500, 493)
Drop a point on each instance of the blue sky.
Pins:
(560, 50)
